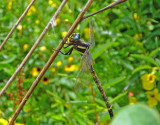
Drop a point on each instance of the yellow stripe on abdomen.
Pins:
(81, 47)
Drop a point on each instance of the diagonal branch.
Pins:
(51, 59)
(105, 8)
(18, 21)
(33, 48)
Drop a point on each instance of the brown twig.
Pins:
(33, 48)
(51, 59)
(105, 8)
(18, 21)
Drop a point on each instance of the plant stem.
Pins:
(51, 59)
(105, 8)
(18, 21)
(32, 49)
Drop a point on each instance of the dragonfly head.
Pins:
(74, 37)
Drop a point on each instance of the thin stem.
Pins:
(33, 48)
(51, 59)
(16, 24)
(105, 8)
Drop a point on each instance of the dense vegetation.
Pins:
(126, 56)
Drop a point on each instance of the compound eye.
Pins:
(77, 36)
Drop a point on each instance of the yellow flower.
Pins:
(64, 33)
(57, 21)
(25, 46)
(59, 63)
(70, 59)
(3, 121)
(148, 81)
(136, 17)
(31, 11)
(137, 36)
(9, 7)
(52, 3)
(53, 69)
(42, 48)
(132, 100)
(35, 71)
(70, 68)
(37, 21)
(153, 97)
(45, 80)
(86, 33)
(19, 124)
(19, 27)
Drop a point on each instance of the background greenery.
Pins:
(126, 47)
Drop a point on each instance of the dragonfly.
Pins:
(86, 61)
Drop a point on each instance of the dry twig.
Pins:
(51, 59)
(33, 48)
(18, 21)
(105, 8)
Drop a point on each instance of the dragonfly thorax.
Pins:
(74, 37)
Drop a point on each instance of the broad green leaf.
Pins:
(138, 114)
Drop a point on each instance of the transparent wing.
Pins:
(91, 34)
(84, 76)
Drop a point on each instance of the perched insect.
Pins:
(86, 61)
(78, 44)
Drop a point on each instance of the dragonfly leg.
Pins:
(70, 51)
(67, 53)
(68, 44)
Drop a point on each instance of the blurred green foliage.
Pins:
(127, 47)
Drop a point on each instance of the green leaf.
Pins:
(114, 81)
(9, 60)
(154, 52)
(145, 58)
(138, 114)
(118, 97)
(70, 18)
(80, 119)
(141, 67)
(153, 34)
(101, 50)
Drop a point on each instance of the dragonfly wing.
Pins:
(91, 34)
(84, 77)
(82, 80)
(86, 60)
